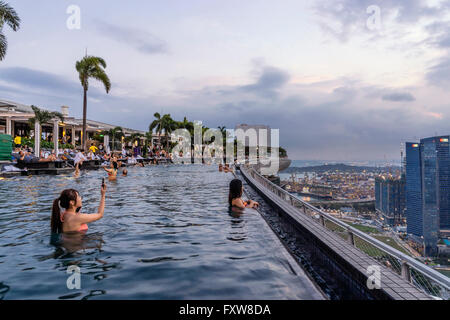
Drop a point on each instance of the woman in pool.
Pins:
(112, 173)
(235, 196)
(77, 170)
(70, 220)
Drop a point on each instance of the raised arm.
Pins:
(87, 218)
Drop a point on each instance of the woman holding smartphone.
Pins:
(71, 220)
(112, 173)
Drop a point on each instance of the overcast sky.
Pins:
(338, 85)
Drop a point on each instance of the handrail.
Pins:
(406, 260)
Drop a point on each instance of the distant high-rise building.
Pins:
(390, 198)
(428, 189)
(413, 171)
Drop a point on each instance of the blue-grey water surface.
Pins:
(166, 234)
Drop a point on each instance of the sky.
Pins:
(341, 80)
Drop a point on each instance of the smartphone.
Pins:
(103, 182)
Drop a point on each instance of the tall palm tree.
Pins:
(9, 16)
(114, 133)
(169, 125)
(91, 67)
(156, 124)
(164, 124)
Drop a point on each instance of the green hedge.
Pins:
(44, 144)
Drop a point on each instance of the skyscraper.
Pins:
(390, 198)
(414, 218)
(428, 189)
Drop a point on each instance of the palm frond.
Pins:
(92, 67)
(3, 45)
(9, 15)
(101, 76)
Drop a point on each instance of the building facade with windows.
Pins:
(390, 199)
(428, 190)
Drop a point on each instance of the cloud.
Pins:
(270, 80)
(141, 40)
(350, 122)
(348, 18)
(38, 79)
(398, 96)
(23, 79)
(268, 84)
(439, 74)
(439, 34)
(45, 89)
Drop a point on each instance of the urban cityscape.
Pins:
(409, 203)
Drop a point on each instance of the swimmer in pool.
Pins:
(124, 172)
(227, 168)
(77, 170)
(71, 220)
(220, 167)
(235, 196)
(112, 173)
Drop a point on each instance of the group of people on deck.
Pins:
(25, 155)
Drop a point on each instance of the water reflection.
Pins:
(69, 243)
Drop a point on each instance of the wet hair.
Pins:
(64, 202)
(125, 172)
(115, 165)
(235, 190)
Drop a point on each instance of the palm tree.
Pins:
(163, 123)
(156, 124)
(91, 67)
(133, 137)
(117, 132)
(41, 117)
(44, 116)
(185, 124)
(9, 16)
(169, 125)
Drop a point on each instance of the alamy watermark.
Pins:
(74, 280)
(373, 23)
(74, 20)
(255, 146)
(374, 279)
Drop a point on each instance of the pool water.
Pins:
(167, 233)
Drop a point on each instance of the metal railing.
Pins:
(426, 279)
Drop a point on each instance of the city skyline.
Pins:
(336, 88)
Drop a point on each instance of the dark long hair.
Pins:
(64, 202)
(235, 190)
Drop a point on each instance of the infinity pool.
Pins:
(167, 233)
